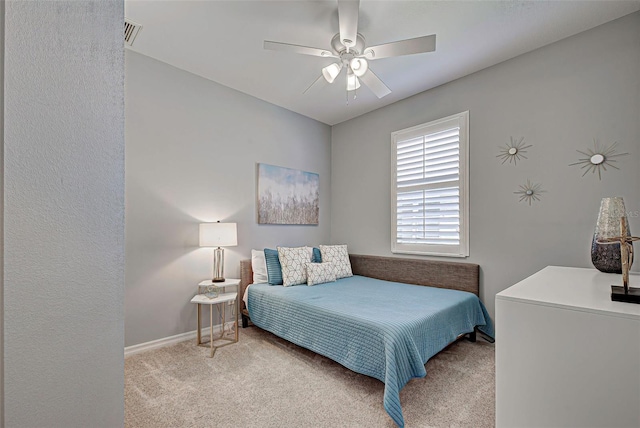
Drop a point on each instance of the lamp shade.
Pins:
(331, 71)
(359, 66)
(353, 82)
(218, 234)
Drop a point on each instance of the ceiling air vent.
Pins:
(131, 30)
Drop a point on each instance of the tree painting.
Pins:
(287, 196)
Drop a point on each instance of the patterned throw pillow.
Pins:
(294, 264)
(274, 270)
(339, 256)
(319, 273)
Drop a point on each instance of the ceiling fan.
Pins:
(352, 54)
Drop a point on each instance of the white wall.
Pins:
(63, 214)
(192, 150)
(560, 98)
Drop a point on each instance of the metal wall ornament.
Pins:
(598, 159)
(513, 151)
(530, 192)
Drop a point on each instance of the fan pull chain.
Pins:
(347, 86)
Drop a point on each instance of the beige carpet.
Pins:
(264, 381)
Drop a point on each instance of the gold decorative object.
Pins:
(598, 159)
(530, 192)
(513, 151)
(626, 257)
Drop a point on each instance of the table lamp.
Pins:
(218, 235)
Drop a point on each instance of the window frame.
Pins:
(462, 249)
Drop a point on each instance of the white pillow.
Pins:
(294, 264)
(319, 273)
(259, 267)
(339, 256)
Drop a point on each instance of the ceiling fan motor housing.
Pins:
(341, 49)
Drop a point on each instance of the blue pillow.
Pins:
(274, 270)
(317, 257)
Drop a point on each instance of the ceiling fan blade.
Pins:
(316, 85)
(402, 47)
(348, 20)
(374, 83)
(305, 50)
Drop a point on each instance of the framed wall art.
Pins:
(287, 196)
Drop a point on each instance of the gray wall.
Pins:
(63, 214)
(2, 216)
(192, 150)
(560, 98)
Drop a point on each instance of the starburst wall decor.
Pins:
(598, 159)
(513, 151)
(530, 192)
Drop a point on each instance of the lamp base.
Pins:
(618, 294)
(218, 265)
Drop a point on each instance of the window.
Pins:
(430, 188)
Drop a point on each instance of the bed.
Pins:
(380, 322)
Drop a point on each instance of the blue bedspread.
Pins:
(386, 330)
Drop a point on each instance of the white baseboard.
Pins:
(171, 340)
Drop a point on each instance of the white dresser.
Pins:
(566, 355)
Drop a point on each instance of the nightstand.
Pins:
(222, 301)
(228, 282)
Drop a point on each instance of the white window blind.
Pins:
(429, 188)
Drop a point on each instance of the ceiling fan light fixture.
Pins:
(331, 71)
(359, 66)
(350, 50)
(353, 82)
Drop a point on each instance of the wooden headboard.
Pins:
(434, 273)
(246, 278)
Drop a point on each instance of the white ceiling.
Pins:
(222, 41)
